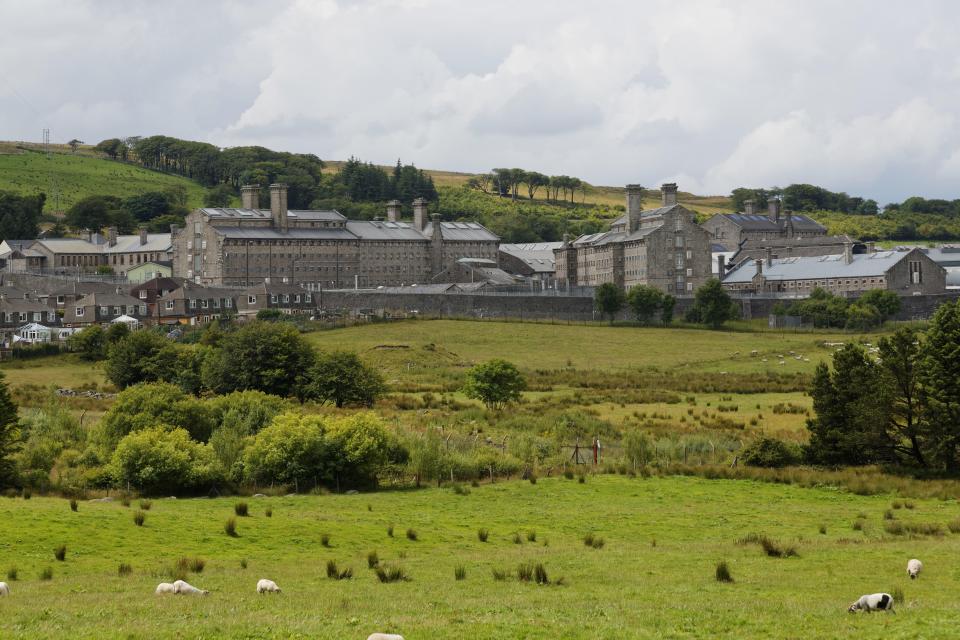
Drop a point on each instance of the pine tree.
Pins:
(940, 387)
(9, 435)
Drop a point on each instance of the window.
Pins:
(228, 303)
(273, 298)
(143, 294)
(286, 297)
(117, 311)
(169, 305)
(689, 273)
(296, 298)
(216, 303)
(143, 309)
(59, 299)
(78, 311)
(205, 303)
(251, 299)
(104, 311)
(916, 275)
(689, 286)
(679, 241)
(193, 303)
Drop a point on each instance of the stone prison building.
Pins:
(324, 250)
(663, 247)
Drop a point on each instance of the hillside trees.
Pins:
(341, 378)
(9, 435)
(712, 305)
(939, 377)
(20, 215)
(609, 299)
(645, 301)
(159, 461)
(292, 450)
(495, 383)
(142, 356)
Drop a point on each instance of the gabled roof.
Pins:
(274, 288)
(831, 266)
(758, 222)
(463, 232)
(264, 214)
(159, 284)
(107, 300)
(376, 230)
(538, 256)
(269, 233)
(156, 242)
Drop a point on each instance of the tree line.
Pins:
(20, 215)
(506, 183)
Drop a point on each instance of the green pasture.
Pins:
(76, 176)
(653, 578)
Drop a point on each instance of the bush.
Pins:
(954, 525)
(373, 560)
(411, 535)
(391, 574)
(593, 541)
(482, 535)
(145, 505)
(292, 450)
(335, 573)
(496, 383)
(73, 505)
(12, 574)
(60, 553)
(531, 536)
(459, 572)
(139, 518)
(325, 540)
(516, 539)
(770, 452)
(164, 462)
(268, 512)
(230, 527)
(124, 569)
(341, 378)
(145, 406)
(722, 573)
(142, 356)
(241, 509)
(46, 574)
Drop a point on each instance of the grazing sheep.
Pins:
(259, 495)
(384, 636)
(164, 587)
(873, 602)
(182, 588)
(267, 586)
(914, 567)
(4, 589)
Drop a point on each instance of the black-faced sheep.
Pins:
(873, 602)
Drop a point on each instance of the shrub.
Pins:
(532, 536)
(533, 478)
(268, 512)
(146, 504)
(858, 524)
(241, 509)
(27, 494)
(73, 505)
(391, 574)
(124, 569)
(568, 474)
(496, 383)
(341, 378)
(459, 572)
(60, 553)
(582, 478)
(722, 573)
(411, 535)
(325, 540)
(161, 461)
(335, 573)
(139, 517)
(372, 559)
(896, 504)
(125, 501)
(12, 574)
(46, 574)
(230, 527)
(770, 452)
(461, 490)
(525, 572)
(482, 535)
(500, 575)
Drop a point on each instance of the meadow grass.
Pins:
(629, 589)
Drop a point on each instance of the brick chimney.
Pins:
(749, 207)
(143, 234)
(847, 252)
(669, 191)
(278, 207)
(773, 209)
(250, 196)
(393, 211)
(111, 236)
(420, 214)
(634, 206)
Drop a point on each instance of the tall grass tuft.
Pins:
(372, 559)
(500, 575)
(769, 546)
(335, 573)
(897, 593)
(125, 501)
(243, 563)
(411, 535)
(139, 517)
(146, 504)
(540, 574)
(73, 505)
(593, 541)
(195, 565)
(391, 574)
(525, 572)
(888, 515)
(459, 572)
(12, 574)
(722, 573)
(325, 540)
(46, 574)
(531, 536)
(230, 527)
(482, 535)
(516, 538)
(124, 569)
(268, 512)
(823, 529)
(390, 531)
(60, 553)
(954, 525)
(858, 524)
(27, 494)
(241, 509)
(461, 490)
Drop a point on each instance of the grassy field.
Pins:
(76, 176)
(653, 578)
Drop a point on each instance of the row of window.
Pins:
(117, 310)
(23, 316)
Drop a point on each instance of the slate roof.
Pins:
(265, 214)
(269, 233)
(374, 230)
(758, 222)
(108, 300)
(832, 266)
(538, 256)
(944, 256)
(463, 232)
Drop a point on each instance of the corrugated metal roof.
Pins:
(832, 266)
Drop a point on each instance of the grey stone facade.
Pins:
(322, 249)
(664, 248)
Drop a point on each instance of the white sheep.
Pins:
(267, 586)
(164, 587)
(914, 567)
(384, 636)
(184, 589)
(873, 602)
(4, 589)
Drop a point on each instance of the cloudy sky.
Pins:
(860, 96)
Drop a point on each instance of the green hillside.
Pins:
(75, 176)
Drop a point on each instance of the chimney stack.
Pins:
(769, 256)
(420, 214)
(749, 207)
(278, 207)
(721, 266)
(174, 229)
(847, 252)
(669, 191)
(566, 240)
(634, 206)
(143, 234)
(871, 247)
(393, 211)
(111, 236)
(759, 264)
(773, 207)
(250, 196)
(788, 225)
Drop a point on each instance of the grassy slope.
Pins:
(628, 589)
(80, 175)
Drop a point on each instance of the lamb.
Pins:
(4, 589)
(267, 586)
(873, 602)
(384, 636)
(164, 587)
(182, 588)
(914, 567)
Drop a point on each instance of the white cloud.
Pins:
(856, 95)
